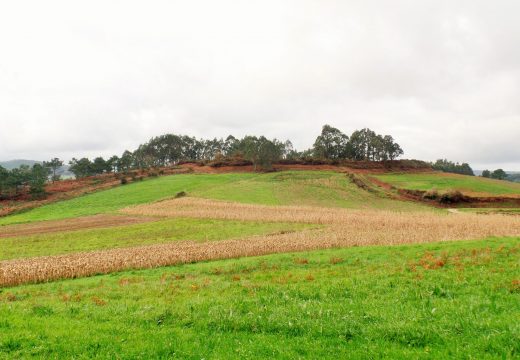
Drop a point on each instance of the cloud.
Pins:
(100, 77)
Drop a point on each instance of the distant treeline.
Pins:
(12, 182)
(465, 169)
(498, 174)
(451, 167)
(172, 149)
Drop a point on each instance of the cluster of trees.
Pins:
(363, 144)
(170, 149)
(451, 167)
(12, 182)
(498, 174)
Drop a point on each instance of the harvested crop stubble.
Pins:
(346, 228)
(85, 222)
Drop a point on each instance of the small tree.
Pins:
(37, 179)
(81, 168)
(330, 144)
(126, 161)
(499, 174)
(112, 163)
(99, 166)
(4, 176)
(486, 174)
(18, 178)
(392, 150)
(54, 165)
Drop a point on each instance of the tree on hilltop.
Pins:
(499, 174)
(54, 165)
(331, 144)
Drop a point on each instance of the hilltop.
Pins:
(13, 164)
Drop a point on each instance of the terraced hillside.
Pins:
(469, 185)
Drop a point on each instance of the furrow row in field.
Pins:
(85, 222)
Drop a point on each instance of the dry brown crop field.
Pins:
(340, 228)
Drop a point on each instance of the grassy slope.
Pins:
(287, 188)
(135, 235)
(443, 181)
(347, 303)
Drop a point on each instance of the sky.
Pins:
(90, 78)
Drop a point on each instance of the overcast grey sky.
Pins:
(88, 78)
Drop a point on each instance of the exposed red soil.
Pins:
(86, 222)
(380, 183)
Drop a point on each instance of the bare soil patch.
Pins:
(87, 222)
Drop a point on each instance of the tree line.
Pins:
(465, 169)
(13, 182)
(498, 174)
(171, 149)
(451, 167)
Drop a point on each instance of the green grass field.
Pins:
(438, 300)
(444, 182)
(286, 188)
(435, 301)
(135, 235)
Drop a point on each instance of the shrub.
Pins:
(124, 181)
(180, 194)
(451, 197)
(431, 195)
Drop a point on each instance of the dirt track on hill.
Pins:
(342, 228)
(81, 223)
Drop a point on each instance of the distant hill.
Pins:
(513, 176)
(13, 164)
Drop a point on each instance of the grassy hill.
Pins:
(165, 295)
(314, 188)
(470, 185)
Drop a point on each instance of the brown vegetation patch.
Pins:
(86, 222)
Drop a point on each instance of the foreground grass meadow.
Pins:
(337, 297)
(441, 300)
